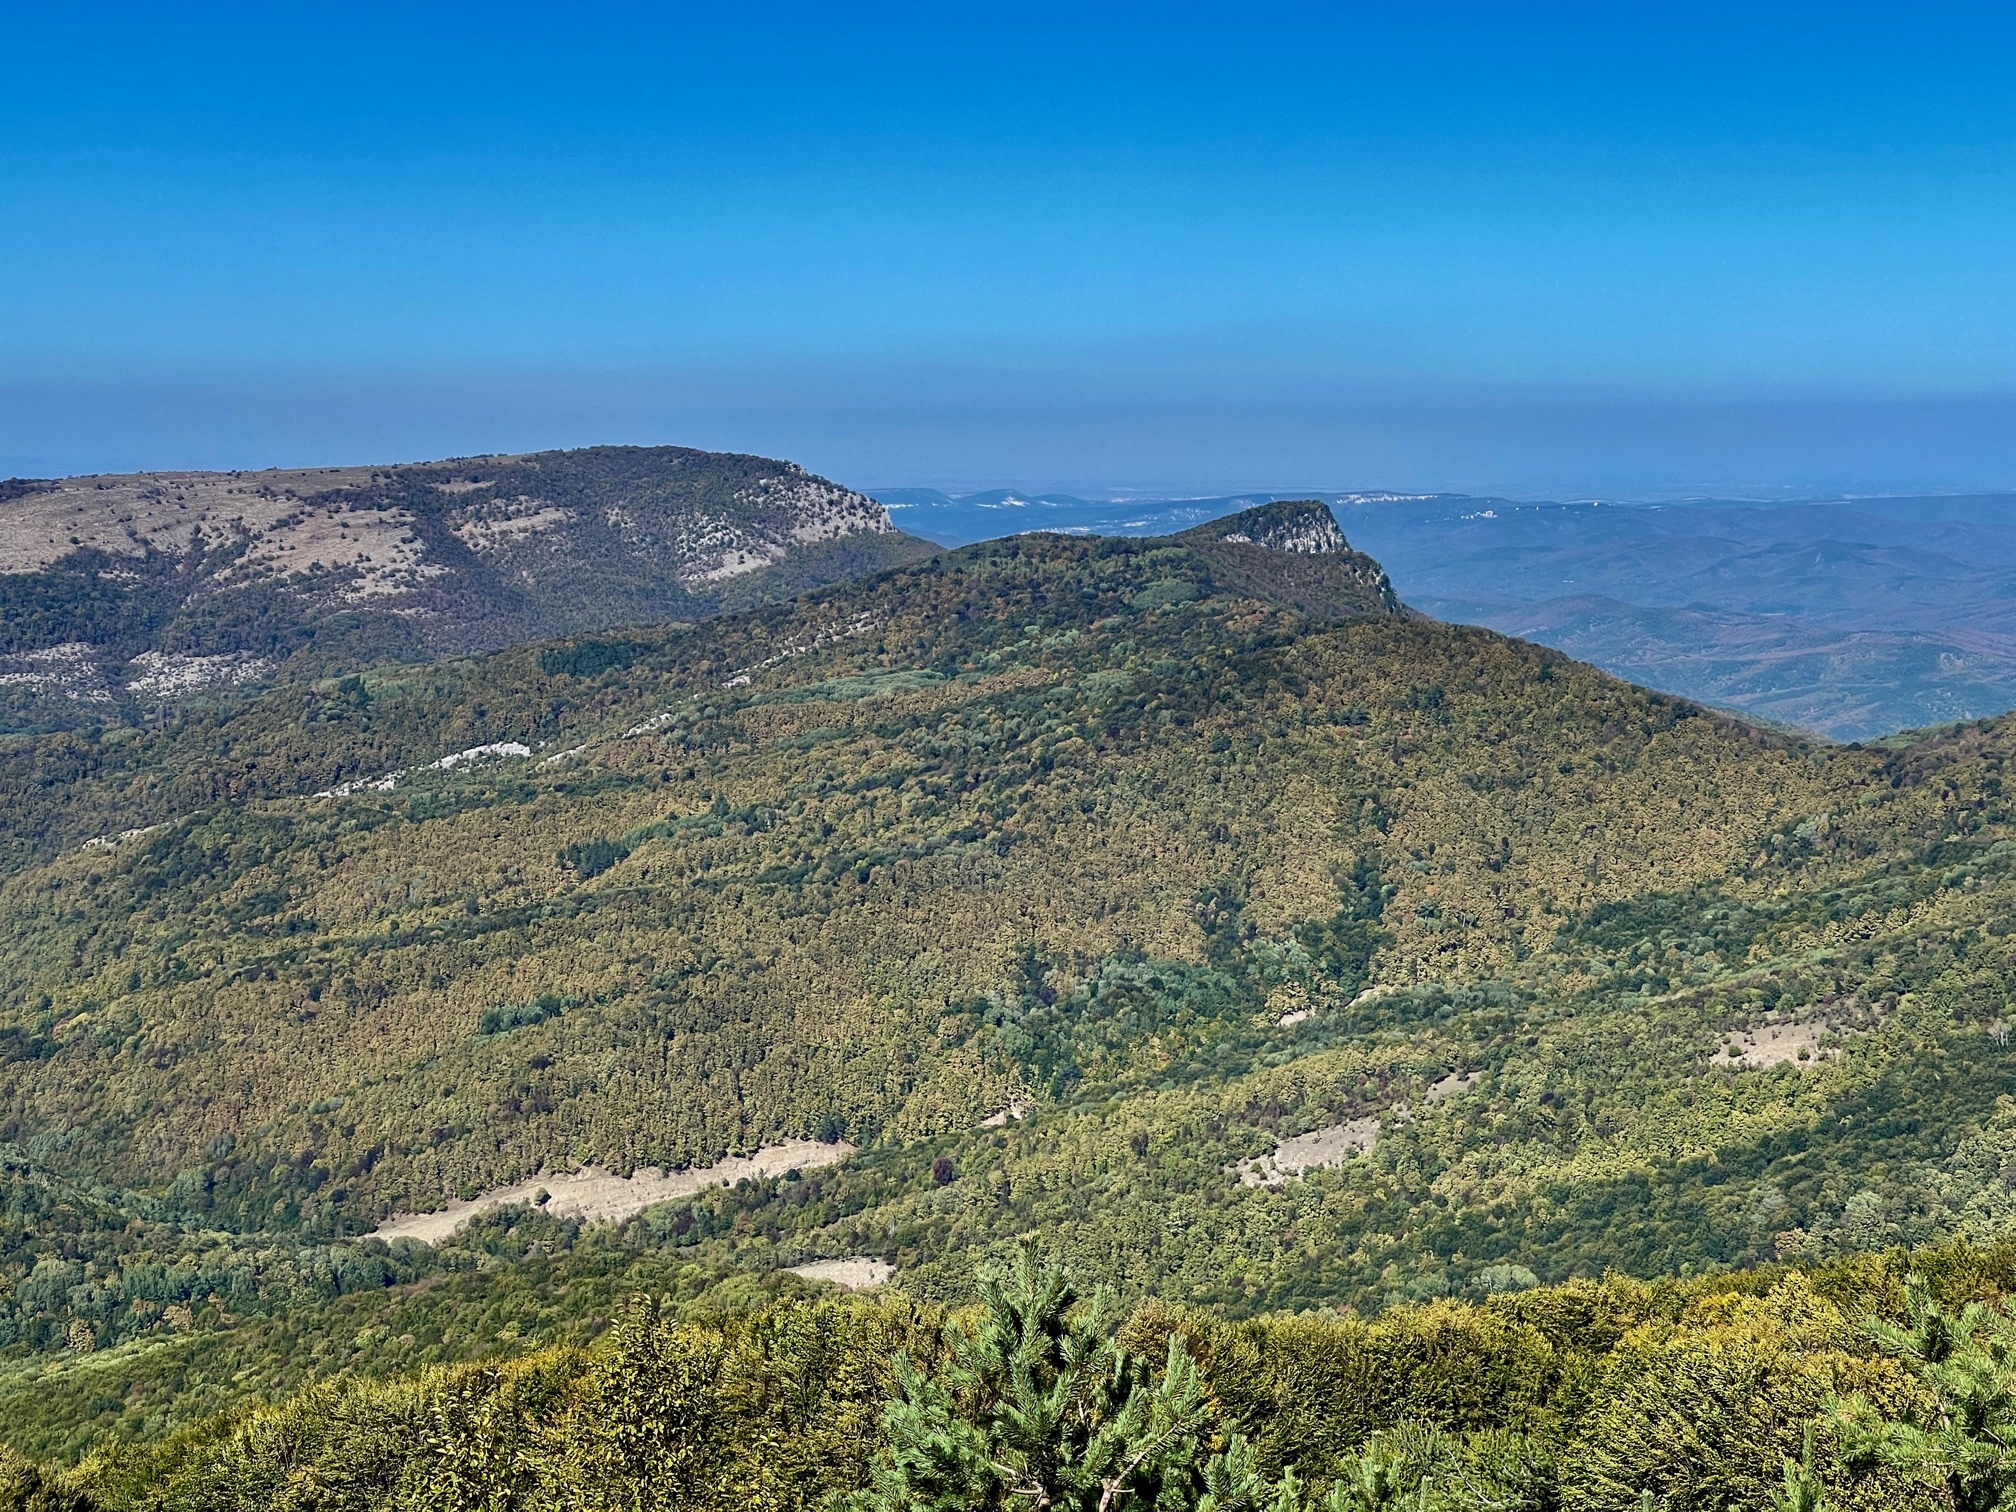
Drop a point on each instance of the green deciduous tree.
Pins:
(648, 1432)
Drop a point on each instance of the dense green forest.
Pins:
(1275, 957)
(1879, 1382)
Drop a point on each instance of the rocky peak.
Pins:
(1293, 554)
(1302, 526)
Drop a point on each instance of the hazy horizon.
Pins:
(1639, 452)
(1573, 250)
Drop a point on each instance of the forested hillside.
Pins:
(1184, 903)
(124, 595)
(1856, 618)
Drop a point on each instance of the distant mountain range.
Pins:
(121, 593)
(1855, 618)
(136, 593)
(960, 519)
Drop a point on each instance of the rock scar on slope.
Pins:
(597, 1196)
(1332, 1146)
(1308, 1152)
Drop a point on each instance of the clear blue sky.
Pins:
(1540, 248)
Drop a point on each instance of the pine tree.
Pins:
(1802, 1491)
(1966, 1438)
(1038, 1407)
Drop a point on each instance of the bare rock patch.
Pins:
(598, 1196)
(1450, 1085)
(854, 1273)
(1312, 1151)
(1017, 1109)
(1803, 1041)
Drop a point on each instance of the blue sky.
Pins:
(1533, 248)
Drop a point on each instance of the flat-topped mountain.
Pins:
(118, 592)
(1304, 527)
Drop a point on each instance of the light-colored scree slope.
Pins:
(597, 1196)
(855, 1273)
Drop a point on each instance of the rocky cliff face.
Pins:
(117, 591)
(1305, 527)
(1294, 553)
